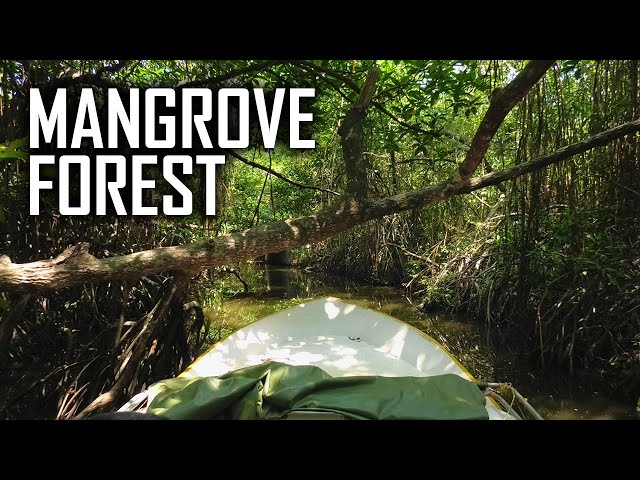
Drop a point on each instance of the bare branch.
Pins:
(432, 133)
(340, 76)
(412, 254)
(132, 362)
(577, 148)
(435, 193)
(276, 174)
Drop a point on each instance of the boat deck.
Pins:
(340, 338)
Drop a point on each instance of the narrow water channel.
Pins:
(274, 288)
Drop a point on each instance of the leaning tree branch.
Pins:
(502, 102)
(79, 267)
(598, 140)
(276, 174)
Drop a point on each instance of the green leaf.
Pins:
(15, 154)
(18, 143)
(409, 114)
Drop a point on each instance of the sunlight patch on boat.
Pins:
(348, 309)
(331, 310)
(395, 345)
(264, 336)
(305, 358)
(344, 363)
(340, 350)
(300, 344)
(420, 361)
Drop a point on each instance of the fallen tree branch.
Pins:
(273, 237)
(597, 140)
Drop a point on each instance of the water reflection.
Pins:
(274, 288)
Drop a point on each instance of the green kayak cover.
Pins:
(271, 390)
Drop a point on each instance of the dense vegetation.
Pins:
(548, 262)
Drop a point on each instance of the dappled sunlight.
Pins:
(342, 339)
(229, 241)
(420, 360)
(124, 276)
(292, 340)
(395, 345)
(344, 351)
(306, 358)
(344, 363)
(294, 228)
(356, 342)
(331, 310)
(275, 355)
(263, 336)
(252, 337)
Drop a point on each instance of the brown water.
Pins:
(276, 288)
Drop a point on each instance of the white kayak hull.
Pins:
(342, 339)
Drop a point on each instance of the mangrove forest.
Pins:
(139, 199)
